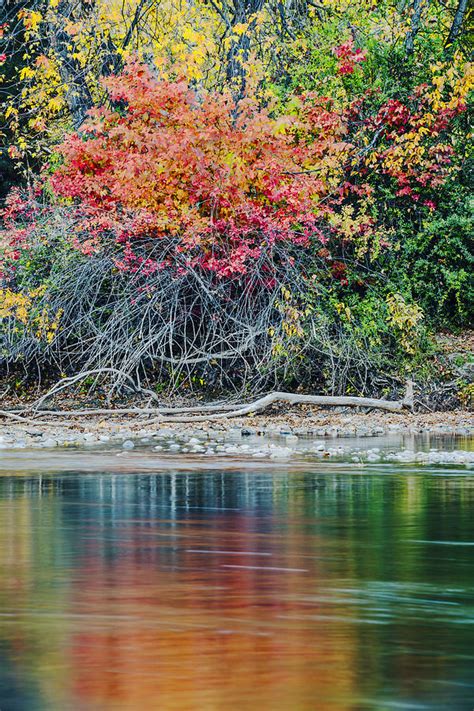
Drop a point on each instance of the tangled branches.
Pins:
(181, 326)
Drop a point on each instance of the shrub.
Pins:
(181, 325)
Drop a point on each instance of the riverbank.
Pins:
(297, 423)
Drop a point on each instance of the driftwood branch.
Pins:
(293, 399)
(217, 411)
(14, 416)
(33, 421)
(123, 410)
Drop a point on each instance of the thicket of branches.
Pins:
(187, 329)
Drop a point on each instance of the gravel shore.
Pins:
(287, 434)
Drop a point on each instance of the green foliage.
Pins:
(438, 264)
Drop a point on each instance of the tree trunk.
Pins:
(238, 53)
(418, 7)
(457, 24)
(78, 96)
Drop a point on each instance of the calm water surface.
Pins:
(333, 587)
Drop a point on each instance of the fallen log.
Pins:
(217, 411)
(294, 398)
(186, 415)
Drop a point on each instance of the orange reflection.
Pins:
(210, 631)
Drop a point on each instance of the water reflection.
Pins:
(242, 589)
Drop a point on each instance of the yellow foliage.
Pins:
(451, 83)
(26, 73)
(292, 325)
(405, 318)
(354, 223)
(55, 104)
(344, 310)
(22, 308)
(31, 21)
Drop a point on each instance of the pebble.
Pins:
(280, 453)
(49, 443)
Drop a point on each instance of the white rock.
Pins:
(280, 453)
(49, 443)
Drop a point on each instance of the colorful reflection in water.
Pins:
(237, 590)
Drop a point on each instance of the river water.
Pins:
(323, 586)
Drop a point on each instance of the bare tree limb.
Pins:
(219, 411)
(294, 398)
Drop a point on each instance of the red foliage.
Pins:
(165, 162)
(406, 143)
(348, 57)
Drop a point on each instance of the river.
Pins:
(327, 586)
